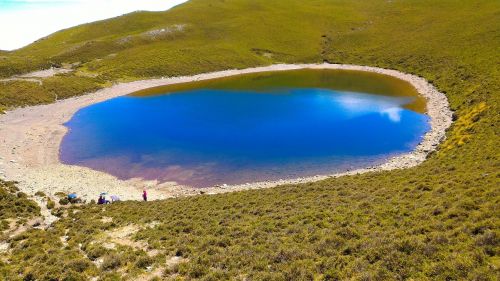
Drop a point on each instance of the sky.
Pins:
(24, 21)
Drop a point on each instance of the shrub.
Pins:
(79, 265)
(15, 204)
(143, 262)
(40, 194)
(95, 251)
(64, 201)
(50, 204)
(22, 195)
(61, 195)
(111, 261)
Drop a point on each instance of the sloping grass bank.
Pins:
(15, 207)
(437, 221)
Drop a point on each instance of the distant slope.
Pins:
(205, 35)
(210, 29)
(437, 221)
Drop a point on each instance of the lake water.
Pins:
(248, 128)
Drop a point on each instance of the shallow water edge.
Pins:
(36, 134)
(250, 127)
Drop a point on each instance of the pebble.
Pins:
(437, 108)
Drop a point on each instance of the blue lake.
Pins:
(202, 137)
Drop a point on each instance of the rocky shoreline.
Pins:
(30, 139)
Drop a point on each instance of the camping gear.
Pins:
(73, 198)
(106, 198)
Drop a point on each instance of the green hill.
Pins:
(437, 221)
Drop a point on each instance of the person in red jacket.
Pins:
(144, 195)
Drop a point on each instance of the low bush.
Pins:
(143, 262)
(111, 261)
(50, 204)
(64, 201)
(15, 205)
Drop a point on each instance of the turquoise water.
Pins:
(203, 137)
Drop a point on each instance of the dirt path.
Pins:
(37, 76)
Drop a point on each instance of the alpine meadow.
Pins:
(439, 220)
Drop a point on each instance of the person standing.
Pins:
(144, 195)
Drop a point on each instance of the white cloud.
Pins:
(24, 21)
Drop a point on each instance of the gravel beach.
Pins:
(30, 138)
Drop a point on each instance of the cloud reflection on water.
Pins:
(354, 105)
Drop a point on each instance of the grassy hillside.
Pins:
(437, 221)
(15, 207)
(203, 36)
